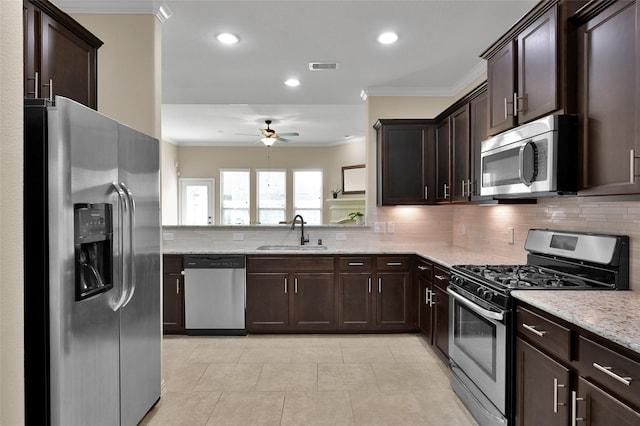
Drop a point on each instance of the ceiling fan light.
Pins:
(268, 141)
(227, 38)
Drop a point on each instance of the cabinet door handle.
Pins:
(446, 194)
(469, 188)
(50, 89)
(379, 284)
(463, 183)
(369, 284)
(426, 192)
(295, 285)
(632, 165)
(35, 85)
(177, 285)
(422, 268)
(556, 385)
(574, 409)
(515, 104)
(506, 109)
(441, 277)
(532, 328)
(608, 371)
(285, 286)
(356, 263)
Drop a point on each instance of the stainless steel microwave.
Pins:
(536, 159)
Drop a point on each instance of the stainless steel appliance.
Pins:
(481, 334)
(214, 294)
(539, 158)
(92, 267)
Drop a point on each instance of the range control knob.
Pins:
(481, 291)
(488, 296)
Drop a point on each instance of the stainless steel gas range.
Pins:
(481, 332)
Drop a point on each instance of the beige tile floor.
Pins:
(305, 380)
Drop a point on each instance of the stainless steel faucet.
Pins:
(303, 239)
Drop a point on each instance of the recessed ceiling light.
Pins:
(227, 38)
(387, 38)
(292, 82)
(363, 95)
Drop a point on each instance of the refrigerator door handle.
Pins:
(131, 288)
(122, 210)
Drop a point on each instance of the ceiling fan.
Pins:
(269, 136)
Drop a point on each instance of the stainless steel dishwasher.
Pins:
(214, 294)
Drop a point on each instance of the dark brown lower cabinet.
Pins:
(314, 301)
(441, 312)
(267, 301)
(597, 407)
(424, 285)
(172, 295)
(392, 307)
(542, 386)
(355, 308)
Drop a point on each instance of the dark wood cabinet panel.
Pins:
(314, 301)
(545, 333)
(537, 68)
(355, 300)
(60, 56)
(609, 100)
(441, 312)
(405, 173)
(424, 284)
(172, 295)
(542, 386)
(501, 84)
(443, 161)
(599, 408)
(479, 131)
(460, 155)
(392, 307)
(267, 301)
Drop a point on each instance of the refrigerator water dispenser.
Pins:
(93, 247)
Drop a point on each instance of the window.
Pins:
(234, 186)
(272, 196)
(307, 195)
(196, 201)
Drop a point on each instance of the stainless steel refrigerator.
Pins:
(92, 267)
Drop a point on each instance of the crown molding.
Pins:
(133, 7)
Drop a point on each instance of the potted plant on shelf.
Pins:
(357, 217)
(335, 192)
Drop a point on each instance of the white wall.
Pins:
(11, 243)
(169, 181)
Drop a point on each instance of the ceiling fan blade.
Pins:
(246, 134)
(289, 134)
(283, 140)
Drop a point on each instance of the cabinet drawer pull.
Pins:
(295, 285)
(379, 285)
(441, 277)
(574, 408)
(177, 285)
(356, 263)
(556, 385)
(532, 328)
(422, 268)
(394, 263)
(369, 284)
(608, 372)
(285, 286)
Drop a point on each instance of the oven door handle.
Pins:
(498, 316)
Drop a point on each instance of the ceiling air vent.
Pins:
(323, 66)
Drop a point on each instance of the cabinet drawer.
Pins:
(355, 264)
(610, 369)
(172, 264)
(424, 267)
(392, 263)
(545, 333)
(441, 277)
(289, 263)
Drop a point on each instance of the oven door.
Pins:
(478, 344)
(520, 167)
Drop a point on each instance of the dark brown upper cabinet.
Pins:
(478, 109)
(406, 163)
(60, 55)
(528, 75)
(609, 97)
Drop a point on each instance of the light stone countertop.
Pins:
(614, 315)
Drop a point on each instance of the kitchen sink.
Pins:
(291, 247)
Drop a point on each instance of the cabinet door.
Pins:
(313, 301)
(608, 98)
(441, 322)
(392, 309)
(443, 162)
(596, 407)
(538, 68)
(267, 301)
(479, 132)
(542, 388)
(355, 301)
(173, 303)
(425, 287)
(405, 157)
(501, 87)
(460, 139)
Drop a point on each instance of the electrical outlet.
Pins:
(341, 236)
(167, 236)
(378, 227)
(238, 236)
(510, 237)
(391, 227)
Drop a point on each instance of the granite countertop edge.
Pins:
(613, 315)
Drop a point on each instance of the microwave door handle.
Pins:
(498, 316)
(528, 163)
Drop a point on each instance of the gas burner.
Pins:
(523, 277)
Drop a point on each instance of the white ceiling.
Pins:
(213, 92)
